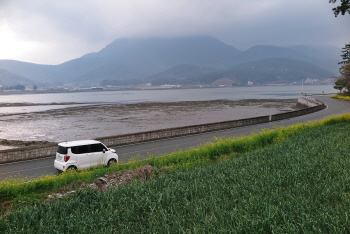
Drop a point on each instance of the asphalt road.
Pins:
(139, 151)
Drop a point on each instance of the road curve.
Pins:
(142, 150)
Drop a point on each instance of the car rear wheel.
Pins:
(72, 168)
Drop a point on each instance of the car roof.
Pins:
(77, 143)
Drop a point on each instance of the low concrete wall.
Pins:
(180, 131)
(26, 153)
(297, 113)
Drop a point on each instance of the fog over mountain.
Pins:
(145, 59)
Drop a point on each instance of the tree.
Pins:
(346, 54)
(343, 81)
(339, 84)
(345, 69)
(19, 87)
(343, 8)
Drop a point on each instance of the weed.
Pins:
(337, 96)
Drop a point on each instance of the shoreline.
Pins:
(142, 88)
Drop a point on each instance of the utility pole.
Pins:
(302, 86)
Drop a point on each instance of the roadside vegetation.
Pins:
(342, 83)
(282, 180)
(337, 96)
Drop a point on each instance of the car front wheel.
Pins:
(112, 161)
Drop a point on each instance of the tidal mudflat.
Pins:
(98, 120)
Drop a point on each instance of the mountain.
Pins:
(177, 74)
(9, 79)
(108, 71)
(319, 51)
(153, 55)
(326, 57)
(139, 57)
(275, 70)
(143, 59)
(320, 56)
(35, 72)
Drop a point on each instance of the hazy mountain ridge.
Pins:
(153, 55)
(311, 54)
(177, 74)
(9, 79)
(275, 70)
(38, 73)
(108, 71)
(146, 58)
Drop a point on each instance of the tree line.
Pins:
(16, 87)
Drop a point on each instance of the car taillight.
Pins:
(66, 158)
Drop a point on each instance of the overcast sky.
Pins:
(55, 31)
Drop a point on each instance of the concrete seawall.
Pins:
(26, 153)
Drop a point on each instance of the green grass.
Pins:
(21, 189)
(337, 96)
(299, 185)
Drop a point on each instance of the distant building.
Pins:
(168, 86)
(250, 82)
(311, 81)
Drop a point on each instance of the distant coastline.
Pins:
(134, 88)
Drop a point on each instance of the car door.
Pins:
(82, 153)
(97, 155)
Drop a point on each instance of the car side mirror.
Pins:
(104, 151)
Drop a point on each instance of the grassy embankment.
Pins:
(337, 96)
(19, 189)
(299, 184)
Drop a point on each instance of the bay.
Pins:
(55, 100)
(59, 117)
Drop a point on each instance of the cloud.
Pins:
(56, 31)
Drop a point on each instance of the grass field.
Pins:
(301, 183)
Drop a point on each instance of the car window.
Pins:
(82, 149)
(97, 148)
(61, 150)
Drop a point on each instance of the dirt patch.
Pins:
(109, 181)
(5, 206)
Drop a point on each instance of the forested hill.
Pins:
(178, 74)
(275, 70)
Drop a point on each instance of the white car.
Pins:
(83, 154)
